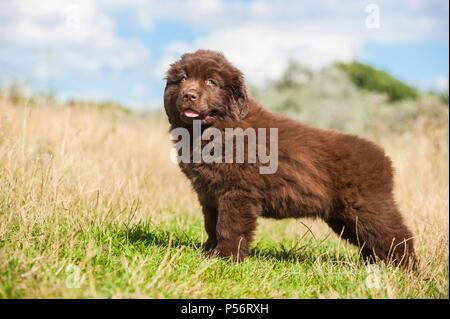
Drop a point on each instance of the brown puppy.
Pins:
(343, 179)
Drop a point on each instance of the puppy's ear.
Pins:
(240, 96)
(166, 108)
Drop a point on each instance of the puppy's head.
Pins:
(204, 86)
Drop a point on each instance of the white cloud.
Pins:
(80, 36)
(407, 20)
(172, 53)
(263, 52)
(260, 36)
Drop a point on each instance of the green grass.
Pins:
(165, 261)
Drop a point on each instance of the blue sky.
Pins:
(119, 50)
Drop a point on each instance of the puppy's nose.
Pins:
(190, 96)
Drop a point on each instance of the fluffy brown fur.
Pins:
(343, 179)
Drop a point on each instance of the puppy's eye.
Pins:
(211, 82)
(183, 78)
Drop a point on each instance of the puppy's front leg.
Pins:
(236, 224)
(209, 206)
(210, 215)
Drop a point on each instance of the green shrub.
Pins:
(371, 79)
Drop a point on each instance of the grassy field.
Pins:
(91, 206)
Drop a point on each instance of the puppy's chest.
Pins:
(203, 176)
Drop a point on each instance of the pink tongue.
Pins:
(190, 113)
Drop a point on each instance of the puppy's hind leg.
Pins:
(379, 230)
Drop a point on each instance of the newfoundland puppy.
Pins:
(342, 179)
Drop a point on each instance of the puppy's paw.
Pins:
(224, 252)
(209, 245)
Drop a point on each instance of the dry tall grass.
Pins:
(88, 166)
